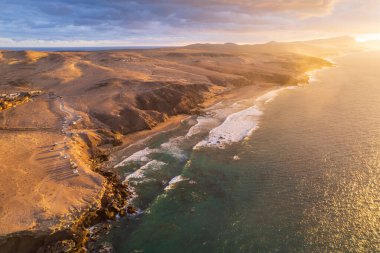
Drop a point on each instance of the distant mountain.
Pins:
(319, 47)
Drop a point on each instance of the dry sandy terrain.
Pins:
(38, 187)
(103, 97)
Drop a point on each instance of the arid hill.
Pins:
(116, 88)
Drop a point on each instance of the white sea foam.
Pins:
(154, 165)
(331, 59)
(203, 123)
(136, 174)
(270, 95)
(173, 147)
(174, 181)
(140, 173)
(214, 116)
(241, 124)
(235, 128)
(136, 213)
(312, 75)
(139, 156)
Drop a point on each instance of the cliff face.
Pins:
(155, 105)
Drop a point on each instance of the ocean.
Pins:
(295, 170)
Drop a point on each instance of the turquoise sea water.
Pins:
(307, 180)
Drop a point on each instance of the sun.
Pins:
(367, 37)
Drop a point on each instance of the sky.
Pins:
(44, 23)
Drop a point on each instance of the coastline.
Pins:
(262, 95)
(130, 141)
(77, 234)
(134, 141)
(74, 233)
(259, 159)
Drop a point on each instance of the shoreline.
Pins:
(80, 225)
(262, 95)
(130, 141)
(286, 114)
(174, 122)
(112, 201)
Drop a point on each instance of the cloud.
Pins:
(137, 15)
(203, 20)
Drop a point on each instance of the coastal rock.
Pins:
(62, 247)
(104, 248)
(95, 231)
(131, 210)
